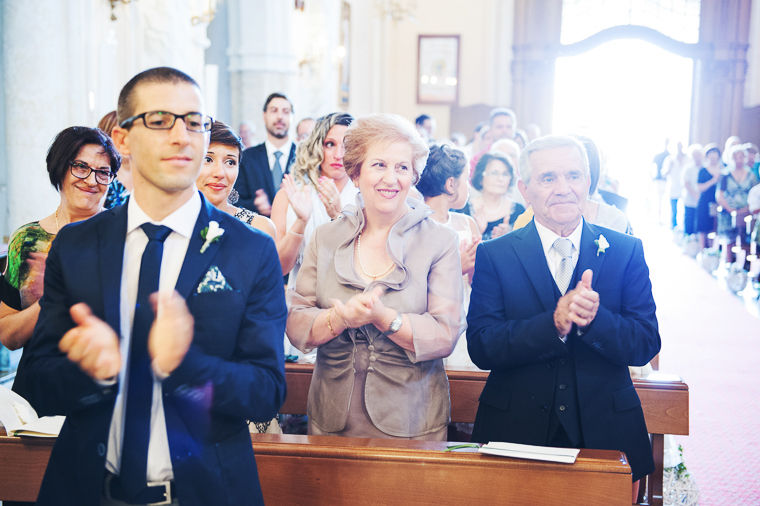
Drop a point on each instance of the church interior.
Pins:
(632, 75)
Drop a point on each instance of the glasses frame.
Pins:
(129, 121)
(111, 175)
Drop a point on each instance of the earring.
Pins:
(233, 197)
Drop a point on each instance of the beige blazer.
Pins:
(407, 393)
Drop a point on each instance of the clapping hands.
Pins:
(578, 306)
(362, 309)
(330, 196)
(299, 198)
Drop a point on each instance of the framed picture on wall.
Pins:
(438, 69)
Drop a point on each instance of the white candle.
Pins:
(754, 266)
(753, 248)
(741, 255)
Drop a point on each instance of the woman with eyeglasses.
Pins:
(81, 163)
(493, 210)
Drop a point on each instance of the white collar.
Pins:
(181, 221)
(285, 149)
(548, 237)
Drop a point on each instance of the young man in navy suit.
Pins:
(263, 165)
(157, 405)
(559, 310)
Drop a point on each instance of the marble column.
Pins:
(38, 85)
(261, 57)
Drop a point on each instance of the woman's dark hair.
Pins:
(443, 162)
(480, 168)
(594, 162)
(67, 145)
(222, 134)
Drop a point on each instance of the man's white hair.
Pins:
(549, 142)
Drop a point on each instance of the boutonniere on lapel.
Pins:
(602, 244)
(211, 234)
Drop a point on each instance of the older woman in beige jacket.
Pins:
(378, 294)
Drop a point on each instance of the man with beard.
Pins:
(263, 165)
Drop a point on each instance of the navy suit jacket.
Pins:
(511, 332)
(255, 174)
(233, 371)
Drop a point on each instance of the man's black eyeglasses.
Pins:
(81, 170)
(162, 120)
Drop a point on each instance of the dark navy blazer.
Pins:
(255, 174)
(511, 332)
(233, 371)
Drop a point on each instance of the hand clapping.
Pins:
(577, 306)
(92, 344)
(330, 196)
(299, 199)
(360, 309)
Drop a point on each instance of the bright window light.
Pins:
(628, 96)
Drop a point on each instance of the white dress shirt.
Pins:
(182, 222)
(553, 258)
(285, 150)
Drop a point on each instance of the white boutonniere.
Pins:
(210, 234)
(602, 244)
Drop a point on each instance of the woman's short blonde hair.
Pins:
(382, 129)
(311, 152)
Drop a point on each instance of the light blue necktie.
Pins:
(277, 171)
(565, 271)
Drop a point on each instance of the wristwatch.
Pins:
(395, 325)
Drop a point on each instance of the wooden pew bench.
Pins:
(318, 470)
(664, 400)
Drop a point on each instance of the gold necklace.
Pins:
(361, 264)
(57, 228)
(494, 211)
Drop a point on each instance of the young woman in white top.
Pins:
(444, 185)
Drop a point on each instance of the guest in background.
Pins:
(248, 134)
(732, 141)
(521, 138)
(690, 195)
(597, 211)
(263, 165)
(314, 193)
(216, 181)
(493, 210)
(533, 131)
(81, 163)
(708, 178)
(476, 144)
(503, 123)
(671, 169)
(512, 150)
(753, 160)
(444, 185)
(120, 188)
(731, 195)
(426, 127)
(304, 128)
(458, 140)
(219, 172)
(377, 297)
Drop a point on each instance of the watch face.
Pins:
(396, 324)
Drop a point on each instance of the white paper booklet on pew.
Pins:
(518, 451)
(20, 419)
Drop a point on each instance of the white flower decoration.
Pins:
(210, 234)
(602, 244)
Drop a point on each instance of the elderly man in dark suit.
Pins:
(559, 310)
(263, 165)
(157, 406)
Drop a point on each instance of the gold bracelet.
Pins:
(329, 325)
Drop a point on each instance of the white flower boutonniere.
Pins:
(210, 234)
(602, 244)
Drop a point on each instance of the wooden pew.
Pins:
(664, 400)
(318, 470)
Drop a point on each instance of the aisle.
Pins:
(712, 342)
